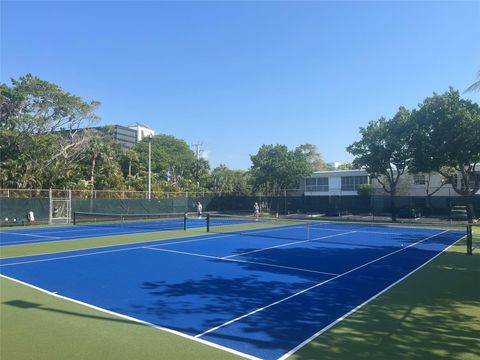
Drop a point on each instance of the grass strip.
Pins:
(50, 247)
(36, 325)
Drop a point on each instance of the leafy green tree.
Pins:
(200, 172)
(101, 163)
(345, 166)
(223, 179)
(314, 157)
(39, 139)
(384, 152)
(446, 138)
(365, 190)
(172, 159)
(133, 169)
(274, 167)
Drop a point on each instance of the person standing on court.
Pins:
(199, 209)
(30, 217)
(256, 210)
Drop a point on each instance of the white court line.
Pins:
(24, 241)
(68, 256)
(319, 228)
(34, 235)
(321, 331)
(241, 261)
(205, 342)
(72, 237)
(162, 242)
(287, 244)
(313, 287)
(110, 235)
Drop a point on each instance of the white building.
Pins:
(142, 131)
(346, 182)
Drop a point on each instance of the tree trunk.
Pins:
(92, 171)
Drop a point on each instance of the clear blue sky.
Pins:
(236, 75)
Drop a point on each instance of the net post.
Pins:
(74, 218)
(208, 222)
(469, 239)
(184, 221)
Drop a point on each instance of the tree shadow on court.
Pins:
(419, 319)
(28, 305)
(434, 314)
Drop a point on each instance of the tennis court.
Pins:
(261, 289)
(90, 225)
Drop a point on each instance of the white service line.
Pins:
(23, 241)
(314, 286)
(162, 243)
(34, 235)
(287, 244)
(68, 256)
(205, 342)
(316, 227)
(241, 261)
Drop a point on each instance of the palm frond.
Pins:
(475, 86)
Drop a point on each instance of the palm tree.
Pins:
(475, 86)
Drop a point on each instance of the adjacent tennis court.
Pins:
(261, 289)
(90, 225)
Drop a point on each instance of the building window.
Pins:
(322, 184)
(351, 183)
(310, 184)
(316, 184)
(419, 179)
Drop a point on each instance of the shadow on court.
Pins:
(434, 314)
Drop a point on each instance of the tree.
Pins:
(274, 167)
(223, 179)
(200, 172)
(101, 163)
(345, 166)
(384, 151)
(365, 190)
(314, 157)
(446, 139)
(173, 161)
(132, 168)
(39, 138)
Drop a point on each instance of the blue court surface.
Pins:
(30, 235)
(261, 296)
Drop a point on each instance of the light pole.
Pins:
(149, 167)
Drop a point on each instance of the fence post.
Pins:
(50, 208)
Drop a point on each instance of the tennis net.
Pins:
(362, 233)
(263, 227)
(473, 237)
(163, 221)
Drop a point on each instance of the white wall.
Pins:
(406, 186)
(142, 131)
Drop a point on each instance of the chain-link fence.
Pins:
(14, 203)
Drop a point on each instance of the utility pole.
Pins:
(198, 151)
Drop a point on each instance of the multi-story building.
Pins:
(127, 136)
(346, 182)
